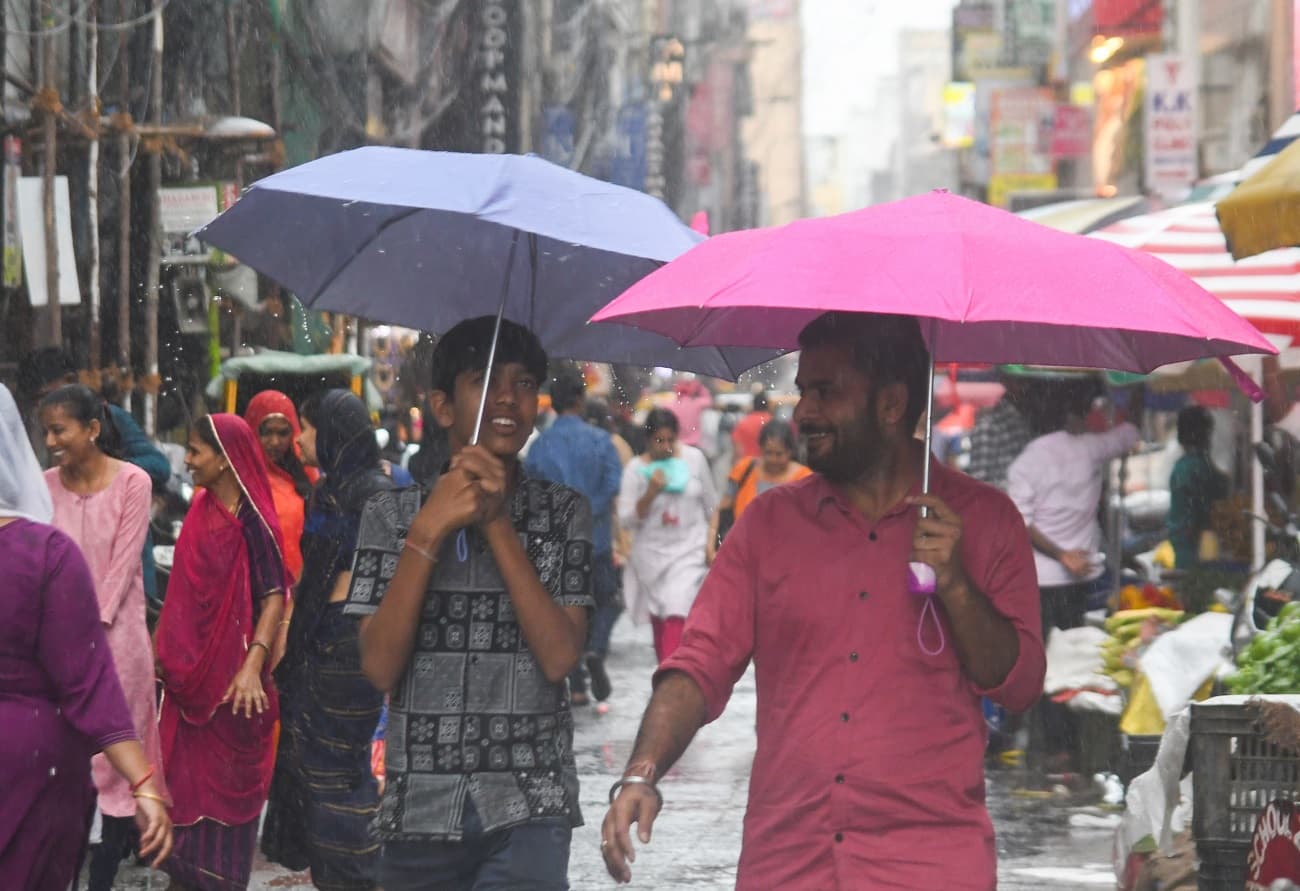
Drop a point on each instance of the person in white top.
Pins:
(1056, 482)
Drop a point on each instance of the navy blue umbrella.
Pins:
(429, 239)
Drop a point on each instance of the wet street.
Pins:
(697, 839)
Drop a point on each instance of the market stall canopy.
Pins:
(1263, 212)
(280, 365)
(1263, 289)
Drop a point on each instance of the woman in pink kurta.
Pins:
(102, 504)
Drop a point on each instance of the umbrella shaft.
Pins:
(496, 336)
(929, 428)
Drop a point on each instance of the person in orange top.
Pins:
(275, 421)
(752, 477)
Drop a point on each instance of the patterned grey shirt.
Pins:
(473, 715)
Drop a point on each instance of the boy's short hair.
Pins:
(465, 348)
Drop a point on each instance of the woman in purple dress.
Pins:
(60, 700)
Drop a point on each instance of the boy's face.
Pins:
(508, 418)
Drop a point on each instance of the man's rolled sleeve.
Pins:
(379, 544)
(1011, 585)
(719, 636)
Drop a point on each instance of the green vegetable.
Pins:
(1271, 663)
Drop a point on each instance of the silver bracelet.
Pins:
(636, 781)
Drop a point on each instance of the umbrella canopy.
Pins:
(1264, 289)
(1263, 212)
(1086, 214)
(988, 286)
(429, 239)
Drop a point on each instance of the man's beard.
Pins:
(857, 449)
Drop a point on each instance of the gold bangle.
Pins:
(284, 622)
(421, 551)
(150, 796)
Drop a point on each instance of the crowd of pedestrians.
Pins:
(315, 600)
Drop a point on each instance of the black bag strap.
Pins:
(744, 477)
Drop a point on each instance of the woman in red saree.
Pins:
(272, 417)
(224, 605)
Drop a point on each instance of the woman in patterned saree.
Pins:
(323, 795)
(223, 610)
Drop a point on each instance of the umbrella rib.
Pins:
(333, 276)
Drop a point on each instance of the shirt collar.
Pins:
(824, 492)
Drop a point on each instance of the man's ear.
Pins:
(891, 404)
(443, 410)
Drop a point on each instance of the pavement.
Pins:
(697, 839)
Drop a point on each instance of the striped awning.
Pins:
(1264, 289)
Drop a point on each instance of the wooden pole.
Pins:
(232, 59)
(92, 181)
(232, 63)
(153, 267)
(124, 203)
(49, 99)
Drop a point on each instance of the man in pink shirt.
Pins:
(869, 769)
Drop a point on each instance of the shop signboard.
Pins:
(628, 167)
(1002, 185)
(1071, 132)
(496, 93)
(976, 44)
(988, 84)
(182, 209)
(1170, 148)
(31, 234)
(958, 115)
(1020, 130)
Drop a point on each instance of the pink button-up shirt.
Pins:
(869, 771)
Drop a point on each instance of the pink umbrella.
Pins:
(988, 287)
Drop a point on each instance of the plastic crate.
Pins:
(1222, 867)
(1236, 775)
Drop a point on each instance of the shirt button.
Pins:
(839, 836)
(839, 778)
(853, 657)
(844, 716)
(862, 595)
(872, 536)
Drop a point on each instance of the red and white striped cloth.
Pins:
(1264, 289)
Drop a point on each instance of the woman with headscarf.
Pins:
(60, 700)
(323, 795)
(272, 417)
(214, 637)
(103, 503)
